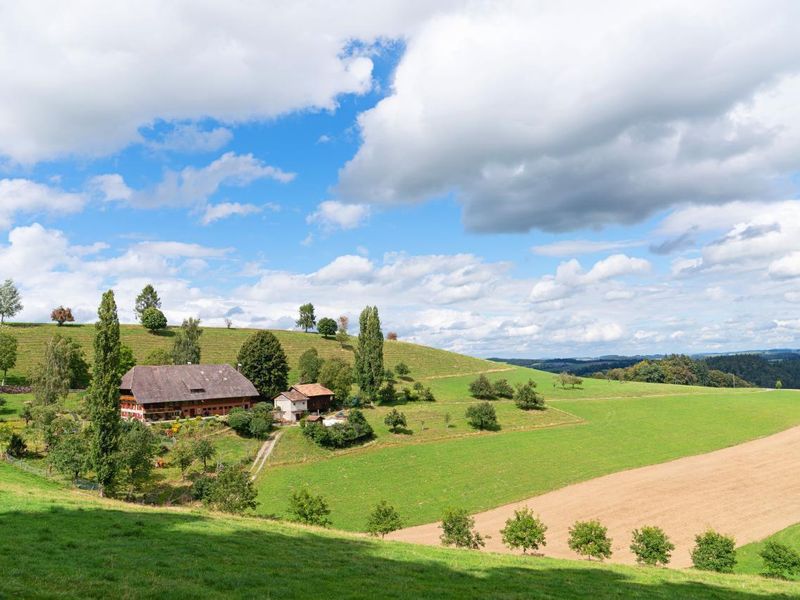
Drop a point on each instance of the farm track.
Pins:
(263, 454)
(750, 491)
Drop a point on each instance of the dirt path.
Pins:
(749, 491)
(263, 454)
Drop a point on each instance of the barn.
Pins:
(165, 392)
(303, 398)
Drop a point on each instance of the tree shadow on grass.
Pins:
(70, 551)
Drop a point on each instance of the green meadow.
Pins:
(64, 544)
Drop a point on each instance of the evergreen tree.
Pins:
(186, 348)
(369, 355)
(10, 300)
(148, 298)
(104, 394)
(263, 362)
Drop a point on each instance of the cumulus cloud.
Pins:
(190, 137)
(110, 187)
(91, 79)
(331, 215)
(25, 196)
(557, 117)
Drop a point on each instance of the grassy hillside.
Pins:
(64, 544)
(482, 471)
(222, 345)
(750, 562)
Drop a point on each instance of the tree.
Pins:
(239, 420)
(402, 369)
(590, 539)
(778, 384)
(481, 388)
(204, 451)
(392, 336)
(457, 530)
(232, 491)
(337, 376)
(326, 327)
(104, 395)
(526, 397)
(384, 519)
(524, 530)
(308, 509)
(261, 425)
(62, 315)
(394, 420)
(51, 377)
(153, 319)
(369, 355)
(306, 319)
(10, 300)
(158, 356)
(341, 333)
(137, 449)
(182, 456)
(502, 389)
(79, 376)
(148, 298)
(482, 416)
(228, 323)
(126, 360)
(264, 363)
(8, 353)
(568, 379)
(651, 546)
(70, 453)
(780, 561)
(26, 414)
(186, 348)
(309, 366)
(714, 552)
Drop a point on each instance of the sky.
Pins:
(513, 179)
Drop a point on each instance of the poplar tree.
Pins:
(369, 355)
(104, 394)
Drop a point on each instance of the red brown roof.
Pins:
(179, 383)
(312, 389)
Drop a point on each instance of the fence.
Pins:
(80, 483)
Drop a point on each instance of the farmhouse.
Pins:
(301, 399)
(166, 392)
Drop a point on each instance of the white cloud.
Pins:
(189, 137)
(223, 210)
(786, 267)
(561, 116)
(111, 187)
(345, 268)
(573, 247)
(331, 215)
(97, 73)
(26, 196)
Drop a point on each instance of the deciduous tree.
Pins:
(158, 356)
(394, 420)
(186, 348)
(780, 561)
(232, 491)
(383, 519)
(326, 327)
(8, 353)
(138, 446)
(458, 530)
(481, 388)
(651, 546)
(524, 530)
(526, 396)
(309, 366)
(153, 319)
(714, 551)
(309, 509)
(126, 359)
(306, 318)
(70, 454)
(263, 362)
(590, 539)
(337, 376)
(482, 416)
(10, 300)
(204, 451)
(369, 355)
(62, 315)
(104, 395)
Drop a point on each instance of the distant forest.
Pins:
(760, 370)
(678, 369)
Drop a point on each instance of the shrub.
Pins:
(526, 397)
(402, 369)
(327, 327)
(341, 435)
(395, 420)
(426, 395)
(714, 552)
(239, 420)
(590, 539)
(502, 389)
(482, 416)
(384, 519)
(387, 394)
(232, 491)
(201, 487)
(159, 356)
(457, 530)
(260, 426)
(651, 546)
(16, 446)
(780, 561)
(308, 509)
(481, 388)
(153, 319)
(524, 530)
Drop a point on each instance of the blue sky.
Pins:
(505, 179)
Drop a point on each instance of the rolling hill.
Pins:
(60, 543)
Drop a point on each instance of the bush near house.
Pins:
(341, 435)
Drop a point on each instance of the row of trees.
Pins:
(524, 394)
